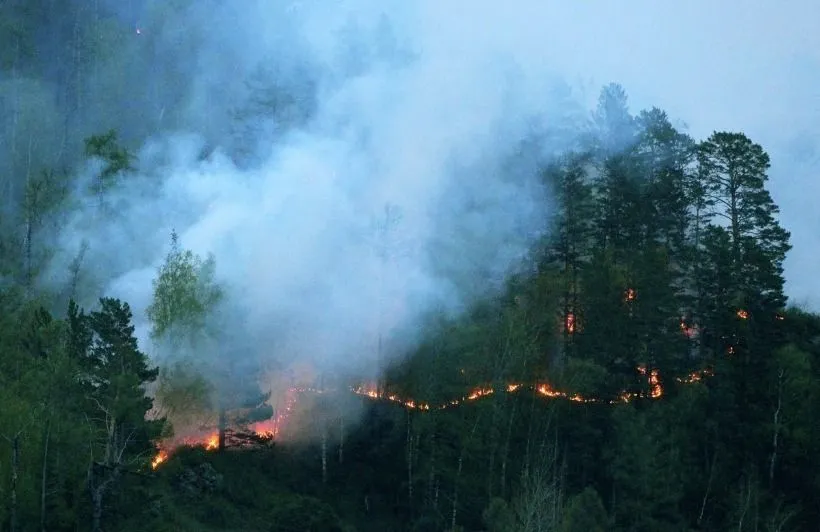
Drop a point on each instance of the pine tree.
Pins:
(114, 373)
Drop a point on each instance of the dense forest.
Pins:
(640, 369)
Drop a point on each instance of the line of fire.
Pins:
(267, 431)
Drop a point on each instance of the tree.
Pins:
(185, 295)
(115, 158)
(569, 250)
(585, 512)
(113, 375)
(734, 175)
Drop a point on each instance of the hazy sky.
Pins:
(389, 131)
(749, 66)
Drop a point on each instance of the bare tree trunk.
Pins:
(454, 513)
(44, 477)
(506, 452)
(708, 488)
(98, 492)
(75, 268)
(458, 476)
(746, 504)
(776, 426)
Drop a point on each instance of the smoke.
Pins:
(355, 165)
(352, 167)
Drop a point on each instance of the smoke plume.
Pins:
(351, 166)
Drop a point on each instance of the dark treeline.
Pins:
(658, 292)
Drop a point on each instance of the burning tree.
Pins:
(187, 299)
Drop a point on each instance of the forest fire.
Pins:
(655, 389)
(272, 427)
(569, 323)
(690, 331)
(158, 459)
(265, 430)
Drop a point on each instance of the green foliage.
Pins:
(647, 226)
(116, 160)
(184, 393)
(185, 294)
(585, 512)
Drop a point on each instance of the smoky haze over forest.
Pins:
(342, 160)
(350, 169)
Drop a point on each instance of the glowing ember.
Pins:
(212, 443)
(695, 376)
(688, 331)
(158, 459)
(655, 389)
(629, 295)
(569, 323)
(481, 392)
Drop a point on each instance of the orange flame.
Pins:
(688, 331)
(212, 442)
(742, 314)
(569, 323)
(158, 459)
(629, 295)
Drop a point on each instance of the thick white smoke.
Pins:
(398, 188)
(419, 106)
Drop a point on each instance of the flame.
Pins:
(270, 428)
(695, 376)
(480, 392)
(158, 459)
(629, 295)
(569, 323)
(688, 331)
(655, 389)
(742, 314)
(212, 442)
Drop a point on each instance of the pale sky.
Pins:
(749, 66)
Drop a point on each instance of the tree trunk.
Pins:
(44, 477)
(708, 488)
(96, 512)
(506, 452)
(431, 481)
(98, 492)
(776, 426)
(455, 492)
